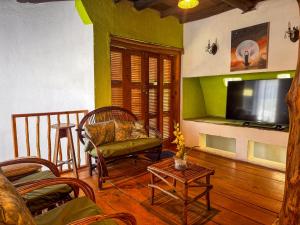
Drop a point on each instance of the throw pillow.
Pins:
(123, 130)
(12, 207)
(138, 131)
(20, 169)
(100, 133)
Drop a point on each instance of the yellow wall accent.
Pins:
(82, 12)
(123, 20)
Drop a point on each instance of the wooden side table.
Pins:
(189, 178)
(63, 130)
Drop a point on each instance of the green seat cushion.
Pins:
(41, 198)
(73, 210)
(126, 147)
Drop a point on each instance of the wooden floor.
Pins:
(242, 194)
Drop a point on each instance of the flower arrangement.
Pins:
(179, 141)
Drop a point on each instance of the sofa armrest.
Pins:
(76, 184)
(125, 217)
(36, 160)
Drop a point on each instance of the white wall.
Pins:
(46, 62)
(282, 52)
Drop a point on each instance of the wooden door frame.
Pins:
(119, 42)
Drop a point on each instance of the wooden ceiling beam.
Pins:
(170, 11)
(244, 5)
(204, 13)
(142, 4)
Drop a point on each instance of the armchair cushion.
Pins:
(138, 131)
(12, 207)
(126, 147)
(123, 130)
(71, 211)
(17, 170)
(41, 198)
(100, 133)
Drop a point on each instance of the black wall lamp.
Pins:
(212, 48)
(292, 33)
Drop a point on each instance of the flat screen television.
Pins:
(258, 101)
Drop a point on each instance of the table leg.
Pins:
(72, 151)
(174, 182)
(56, 147)
(152, 189)
(185, 204)
(207, 192)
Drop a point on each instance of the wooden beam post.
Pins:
(290, 211)
(142, 4)
(244, 5)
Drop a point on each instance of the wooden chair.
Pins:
(82, 210)
(107, 114)
(44, 198)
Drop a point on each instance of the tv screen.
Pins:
(260, 101)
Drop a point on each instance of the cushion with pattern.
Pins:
(100, 133)
(123, 130)
(12, 207)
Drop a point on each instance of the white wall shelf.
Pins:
(195, 133)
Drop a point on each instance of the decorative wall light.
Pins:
(187, 4)
(212, 48)
(292, 33)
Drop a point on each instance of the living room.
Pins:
(214, 77)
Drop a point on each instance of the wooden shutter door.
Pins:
(152, 85)
(166, 123)
(116, 61)
(135, 85)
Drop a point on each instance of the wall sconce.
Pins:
(292, 33)
(212, 48)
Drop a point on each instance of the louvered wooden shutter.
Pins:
(116, 61)
(153, 91)
(166, 97)
(136, 86)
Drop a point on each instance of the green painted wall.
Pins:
(214, 92)
(193, 104)
(123, 20)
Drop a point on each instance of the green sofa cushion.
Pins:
(126, 147)
(41, 198)
(73, 210)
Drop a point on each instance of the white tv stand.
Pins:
(229, 139)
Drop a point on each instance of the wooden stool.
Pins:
(63, 130)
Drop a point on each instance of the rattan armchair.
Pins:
(43, 198)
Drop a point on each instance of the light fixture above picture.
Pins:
(187, 4)
(212, 48)
(292, 33)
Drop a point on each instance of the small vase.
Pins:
(180, 164)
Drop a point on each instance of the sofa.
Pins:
(113, 133)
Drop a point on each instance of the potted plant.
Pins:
(180, 157)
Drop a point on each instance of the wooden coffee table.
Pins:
(189, 178)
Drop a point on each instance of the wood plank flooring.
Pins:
(242, 194)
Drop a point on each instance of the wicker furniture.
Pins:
(63, 130)
(81, 210)
(189, 178)
(109, 152)
(43, 198)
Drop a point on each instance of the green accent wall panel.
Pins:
(82, 12)
(123, 20)
(193, 104)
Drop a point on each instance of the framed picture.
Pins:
(249, 47)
